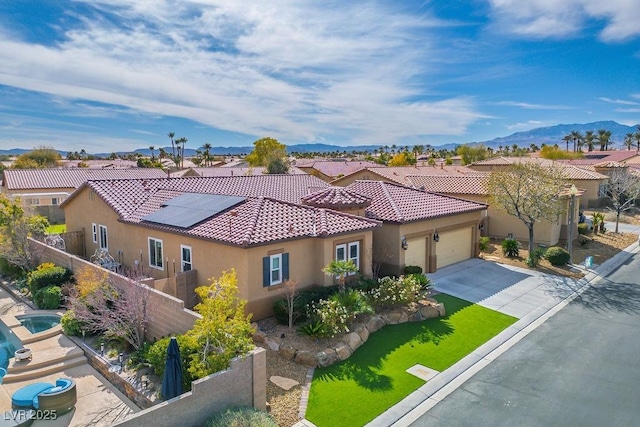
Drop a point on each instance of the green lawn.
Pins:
(56, 229)
(373, 379)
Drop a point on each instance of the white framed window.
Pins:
(341, 252)
(276, 269)
(102, 237)
(354, 254)
(185, 255)
(94, 232)
(33, 202)
(54, 201)
(155, 253)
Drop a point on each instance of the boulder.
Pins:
(375, 323)
(429, 311)
(284, 383)
(304, 357)
(273, 343)
(343, 351)
(259, 336)
(441, 309)
(287, 352)
(353, 340)
(396, 316)
(362, 331)
(326, 357)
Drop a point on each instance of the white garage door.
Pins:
(416, 253)
(454, 246)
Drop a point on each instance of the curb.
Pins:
(420, 401)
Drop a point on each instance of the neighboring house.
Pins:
(230, 171)
(99, 164)
(419, 228)
(399, 174)
(254, 224)
(46, 189)
(328, 170)
(589, 181)
(498, 223)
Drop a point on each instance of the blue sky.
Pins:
(115, 75)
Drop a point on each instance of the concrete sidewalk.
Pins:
(530, 296)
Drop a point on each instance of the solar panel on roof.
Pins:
(189, 209)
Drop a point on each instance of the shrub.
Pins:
(9, 269)
(557, 256)
(139, 357)
(412, 269)
(510, 248)
(48, 298)
(70, 325)
(302, 301)
(354, 301)
(313, 329)
(365, 285)
(583, 228)
(395, 291)
(423, 280)
(241, 417)
(333, 316)
(47, 274)
(535, 256)
(583, 240)
(484, 243)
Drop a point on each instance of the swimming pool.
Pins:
(8, 345)
(38, 322)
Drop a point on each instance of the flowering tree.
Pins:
(16, 226)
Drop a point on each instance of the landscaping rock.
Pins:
(441, 310)
(303, 357)
(396, 316)
(374, 323)
(362, 331)
(429, 311)
(326, 358)
(287, 352)
(259, 336)
(353, 340)
(273, 343)
(343, 351)
(284, 383)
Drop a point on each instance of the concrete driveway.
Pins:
(511, 290)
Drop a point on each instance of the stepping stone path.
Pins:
(284, 383)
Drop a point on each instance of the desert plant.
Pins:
(510, 247)
(241, 417)
(47, 274)
(557, 256)
(304, 298)
(534, 257)
(354, 301)
(598, 221)
(314, 329)
(48, 298)
(340, 269)
(484, 243)
(332, 314)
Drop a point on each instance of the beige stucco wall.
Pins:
(591, 189)
(360, 175)
(307, 256)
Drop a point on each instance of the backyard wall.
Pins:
(243, 384)
(167, 314)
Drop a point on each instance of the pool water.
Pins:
(6, 351)
(39, 323)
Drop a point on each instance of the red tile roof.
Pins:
(399, 174)
(336, 198)
(233, 171)
(396, 203)
(468, 184)
(256, 221)
(31, 179)
(336, 168)
(568, 170)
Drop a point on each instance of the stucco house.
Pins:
(589, 181)
(328, 170)
(45, 189)
(254, 224)
(419, 228)
(401, 174)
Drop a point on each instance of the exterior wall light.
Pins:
(404, 243)
(436, 237)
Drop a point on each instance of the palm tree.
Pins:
(589, 139)
(417, 151)
(637, 137)
(567, 139)
(603, 139)
(576, 136)
(340, 269)
(152, 148)
(181, 142)
(173, 146)
(628, 140)
(207, 153)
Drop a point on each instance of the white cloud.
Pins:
(619, 101)
(559, 19)
(528, 125)
(529, 106)
(295, 70)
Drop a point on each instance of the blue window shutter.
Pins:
(285, 266)
(266, 271)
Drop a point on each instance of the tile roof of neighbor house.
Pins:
(31, 179)
(336, 198)
(461, 184)
(399, 174)
(100, 164)
(396, 203)
(257, 220)
(569, 171)
(336, 168)
(233, 171)
(125, 195)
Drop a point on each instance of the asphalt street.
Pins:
(579, 368)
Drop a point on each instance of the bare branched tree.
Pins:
(622, 191)
(290, 293)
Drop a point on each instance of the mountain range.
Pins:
(549, 135)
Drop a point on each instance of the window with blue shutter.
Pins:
(275, 269)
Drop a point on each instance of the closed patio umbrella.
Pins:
(172, 379)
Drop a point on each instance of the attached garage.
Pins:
(416, 253)
(454, 246)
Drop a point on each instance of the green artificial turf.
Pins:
(355, 391)
(56, 229)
